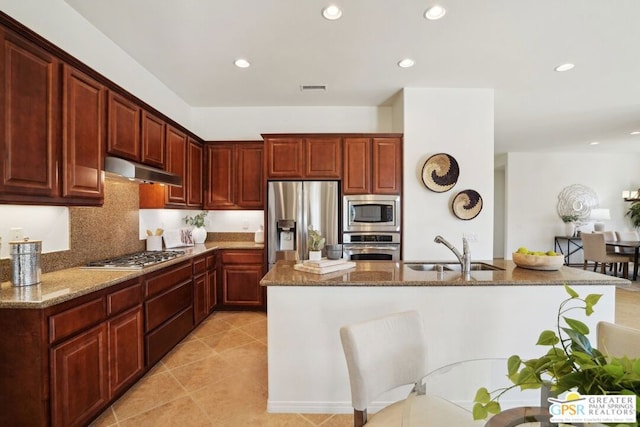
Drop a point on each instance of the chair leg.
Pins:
(603, 268)
(625, 270)
(359, 418)
(584, 265)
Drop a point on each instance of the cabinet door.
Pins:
(83, 112)
(177, 164)
(126, 349)
(356, 176)
(153, 145)
(323, 157)
(201, 298)
(220, 185)
(284, 157)
(79, 377)
(212, 282)
(124, 128)
(194, 174)
(29, 118)
(387, 166)
(241, 285)
(249, 176)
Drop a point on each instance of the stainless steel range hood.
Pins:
(138, 172)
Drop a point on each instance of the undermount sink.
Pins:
(440, 266)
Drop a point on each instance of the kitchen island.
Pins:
(493, 314)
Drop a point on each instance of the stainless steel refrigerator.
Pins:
(293, 206)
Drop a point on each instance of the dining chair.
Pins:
(383, 354)
(627, 235)
(618, 340)
(596, 250)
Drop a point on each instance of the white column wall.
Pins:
(458, 122)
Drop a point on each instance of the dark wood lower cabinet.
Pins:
(241, 272)
(79, 378)
(63, 365)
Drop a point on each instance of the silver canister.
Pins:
(25, 262)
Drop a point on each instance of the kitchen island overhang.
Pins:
(494, 314)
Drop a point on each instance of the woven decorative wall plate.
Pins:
(440, 172)
(467, 204)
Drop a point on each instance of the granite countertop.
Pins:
(392, 273)
(63, 285)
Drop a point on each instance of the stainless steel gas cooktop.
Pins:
(135, 261)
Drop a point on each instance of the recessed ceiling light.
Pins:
(594, 143)
(406, 63)
(564, 67)
(435, 12)
(635, 132)
(332, 12)
(242, 63)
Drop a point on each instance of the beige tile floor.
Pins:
(218, 377)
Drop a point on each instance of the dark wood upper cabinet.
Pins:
(323, 157)
(29, 118)
(220, 189)
(356, 177)
(235, 176)
(386, 155)
(249, 176)
(303, 156)
(124, 128)
(177, 163)
(284, 157)
(153, 140)
(194, 174)
(372, 165)
(83, 118)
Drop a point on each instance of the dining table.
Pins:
(445, 397)
(628, 244)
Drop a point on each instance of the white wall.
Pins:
(215, 221)
(47, 223)
(458, 122)
(56, 21)
(247, 123)
(534, 180)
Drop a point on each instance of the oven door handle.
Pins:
(379, 248)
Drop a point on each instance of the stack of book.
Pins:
(324, 266)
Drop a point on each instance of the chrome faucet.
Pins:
(464, 258)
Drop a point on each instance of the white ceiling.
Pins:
(509, 45)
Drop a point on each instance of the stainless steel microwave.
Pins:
(371, 212)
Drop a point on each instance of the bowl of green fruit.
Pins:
(536, 260)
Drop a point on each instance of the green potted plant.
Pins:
(315, 242)
(571, 363)
(199, 232)
(634, 213)
(569, 223)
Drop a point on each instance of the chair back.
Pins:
(618, 340)
(383, 354)
(594, 247)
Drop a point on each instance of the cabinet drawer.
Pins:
(163, 339)
(242, 257)
(75, 319)
(167, 278)
(199, 266)
(162, 307)
(123, 299)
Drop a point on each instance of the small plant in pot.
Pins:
(199, 232)
(570, 364)
(315, 242)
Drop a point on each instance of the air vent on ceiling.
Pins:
(313, 88)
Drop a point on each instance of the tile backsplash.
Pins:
(97, 232)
